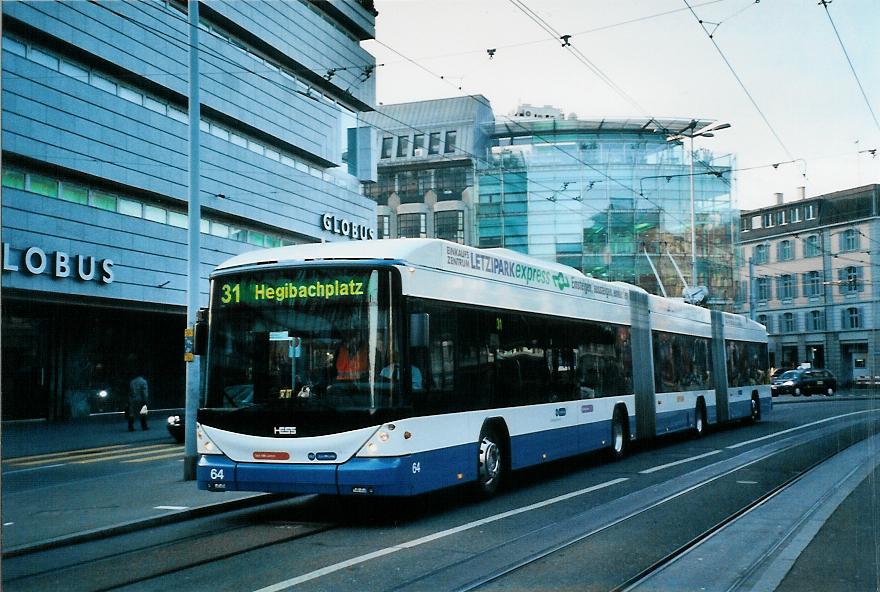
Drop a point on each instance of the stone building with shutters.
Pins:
(808, 274)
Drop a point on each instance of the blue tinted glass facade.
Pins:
(598, 196)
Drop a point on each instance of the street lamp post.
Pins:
(706, 132)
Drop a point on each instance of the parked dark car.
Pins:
(804, 381)
(175, 428)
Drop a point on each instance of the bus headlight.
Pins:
(204, 445)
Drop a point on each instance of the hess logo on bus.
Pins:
(284, 431)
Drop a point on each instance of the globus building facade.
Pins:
(95, 179)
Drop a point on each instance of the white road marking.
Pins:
(8, 523)
(794, 429)
(171, 507)
(678, 462)
(430, 538)
(33, 469)
(747, 482)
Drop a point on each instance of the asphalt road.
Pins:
(581, 524)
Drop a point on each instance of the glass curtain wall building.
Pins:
(605, 196)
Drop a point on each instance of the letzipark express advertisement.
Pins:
(308, 285)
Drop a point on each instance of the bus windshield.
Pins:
(303, 338)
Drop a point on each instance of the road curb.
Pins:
(142, 524)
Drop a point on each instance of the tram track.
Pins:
(521, 549)
(632, 583)
(626, 519)
(122, 561)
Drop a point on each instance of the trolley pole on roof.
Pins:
(194, 219)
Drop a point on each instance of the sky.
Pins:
(788, 92)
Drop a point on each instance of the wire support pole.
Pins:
(194, 219)
(693, 219)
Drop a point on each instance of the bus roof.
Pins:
(509, 267)
(424, 252)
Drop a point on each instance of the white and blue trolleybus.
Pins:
(398, 367)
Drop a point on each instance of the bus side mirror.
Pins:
(418, 329)
(200, 333)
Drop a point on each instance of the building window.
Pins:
(780, 217)
(450, 142)
(451, 182)
(418, 147)
(810, 211)
(402, 146)
(412, 226)
(852, 318)
(450, 226)
(785, 287)
(784, 251)
(75, 193)
(769, 220)
(764, 320)
(434, 143)
(760, 254)
(794, 215)
(386, 147)
(849, 240)
(744, 225)
(788, 324)
(12, 178)
(850, 279)
(811, 246)
(383, 226)
(426, 181)
(103, 201)
(762, 288)
(408, 187)
(812, 284)
(43, 185)
(815, 320)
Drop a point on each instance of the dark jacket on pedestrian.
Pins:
(138, 396)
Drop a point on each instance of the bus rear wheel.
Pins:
(618, 435)
(700, 420)
(490, 463)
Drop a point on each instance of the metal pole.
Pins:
(194, 220)
(751, 288)
(693, 222)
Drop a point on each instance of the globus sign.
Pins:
(343, 227)
(59, 264)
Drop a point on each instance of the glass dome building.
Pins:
(612, 198)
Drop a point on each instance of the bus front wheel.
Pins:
(490, 462)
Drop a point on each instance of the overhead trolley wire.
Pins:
(824, 4)
(740, 82)
(480, 100)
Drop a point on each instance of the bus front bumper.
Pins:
(385, 476)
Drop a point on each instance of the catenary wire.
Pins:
(824, 4)
(740, 82)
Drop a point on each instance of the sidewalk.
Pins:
(47, 514)
(25, 438)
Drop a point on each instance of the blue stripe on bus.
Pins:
(411, 474)
(540, 447)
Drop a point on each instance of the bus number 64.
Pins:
(217, 474)
(417, 467)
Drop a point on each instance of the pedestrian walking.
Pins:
(138, 399)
